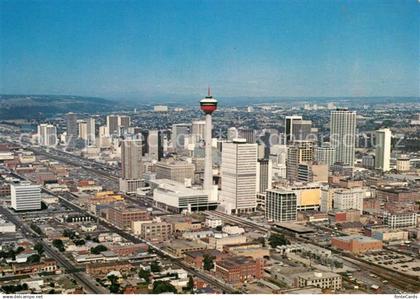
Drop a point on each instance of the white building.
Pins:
(47, 135)
(383, 149)
(25, 196)
(325, 155)
(160, 108)
(83, 131)
(345, 199)
(91, 131)
(322, 280)
(343, 135)
(239, 176)
(280, 205)
(396, 220)
(213, 221)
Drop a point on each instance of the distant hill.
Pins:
(34, 106)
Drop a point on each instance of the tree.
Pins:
(35, 258)
(145, 275)
(58, 244)
(98, 249)
(208, 263)
(261, 240)
(190, 285)
(39, 247)
(154, 266)
(277, 240)
(160, 287)
(68, 233)
(115, 286)
(338, 264)
(36, 229)
(79, 242)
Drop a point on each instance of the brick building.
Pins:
(122, 216)
(356, 243)
(239, 269)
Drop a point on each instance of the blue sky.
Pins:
(239, 47)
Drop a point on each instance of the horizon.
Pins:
(147, 49)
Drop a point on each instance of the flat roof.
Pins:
(295, 227)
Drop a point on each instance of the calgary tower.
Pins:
(208, 105)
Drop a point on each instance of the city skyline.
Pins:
(132, 49)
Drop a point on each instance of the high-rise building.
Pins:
(343, 135)
(264, 175)
(71, 121)
(280, 206)
(83, 130)
(325, 155)
(47, 135)
(383, 149)
(239, 179)
(131, 159)
(155, 145)
(124, 121)
(91, 131)
(112, 122)
(180, 171)
(179, 132)
(104, 137)
(25, 197)
(247, 134)
(298, 152)
(289, 127)
(198, 131)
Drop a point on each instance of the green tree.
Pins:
(145, 275)
(39, 247)
(98, 249)
(277, 240)
(58, 244)
(208, 263)
(115, 286)
(154, 266)
(160, 287)
(36, 229)
(35, 258)
(190, 286)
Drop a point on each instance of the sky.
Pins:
(238, 47)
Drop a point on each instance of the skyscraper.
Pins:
(47, 135)
(124, 121)
(288, 127)
(71, 120)
(325, 155)
(155, 145)
(264, 175)
(300, 151)
(247, 134)
(131, 159)
(83, 130)
(383, 149)
(179, 132)
(198, 131)
(239, 176)
(91, 131)
(343, 135)
(112, 122)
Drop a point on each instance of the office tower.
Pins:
(310, 172)
(208, 105)
(247, 134)
(288, 127)
(264, 175)
(47, 135)
(155, 145)
(383, 149)
(298, 152)
(343, 135)
(179, 132)
(71, 120)
(325, 154)
(232, 133)
(403, 163)
(280, 206)
(124, 121)
(112, 122)
(265, 141)
(25, 197)
(198, 131)
(104, 138)
(131, 159)
(91, 131)
(83, 131)
(239, 175)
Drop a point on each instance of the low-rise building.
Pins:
(196, 258)
(156, 231)
(122, 216)
(322, 280)
(180, 247)
(239, 269)
(356, 243)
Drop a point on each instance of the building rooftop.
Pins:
(358, 238)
